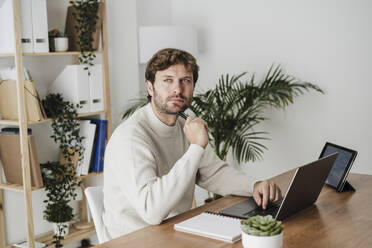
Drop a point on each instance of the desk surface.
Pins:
(336, 220)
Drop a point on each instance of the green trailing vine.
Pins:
(60, 178)
(86, 17)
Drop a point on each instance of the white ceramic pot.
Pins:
(251, 241)
(64, 231)
(61, 44)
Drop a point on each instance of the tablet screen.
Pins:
(342, 164)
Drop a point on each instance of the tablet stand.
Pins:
(346, 188)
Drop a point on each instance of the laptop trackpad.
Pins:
(242, 209)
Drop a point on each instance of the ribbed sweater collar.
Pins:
(157, 125)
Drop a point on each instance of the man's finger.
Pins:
(265, 195)
(277, 194)
(257, 197)
(272, 192)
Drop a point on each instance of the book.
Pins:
(99, 145)
(14, 130)
(87, 130)
(10, 156)
(212, 225)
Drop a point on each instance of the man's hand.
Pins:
(265, 192)
(196, 131)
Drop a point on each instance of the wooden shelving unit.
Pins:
(74, 234)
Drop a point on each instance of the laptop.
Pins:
(302, 193)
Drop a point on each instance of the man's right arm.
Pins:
(134, 167)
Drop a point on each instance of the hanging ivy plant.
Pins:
(86, 17)
(60, 184)
(59, 178)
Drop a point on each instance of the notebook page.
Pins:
(212, 226)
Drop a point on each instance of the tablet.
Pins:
(337, 177)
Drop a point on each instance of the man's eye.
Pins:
(168, 80)
(187, 81)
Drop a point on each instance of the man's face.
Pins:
(172, 90)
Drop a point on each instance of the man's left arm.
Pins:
(217, 176)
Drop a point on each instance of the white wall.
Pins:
(324, 42)
(123, 66)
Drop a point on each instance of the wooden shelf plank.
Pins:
(73, 236)
(46, 54)
(19, 187)
(89, 175)
(15, 122)
(9, 122)
(15, 187)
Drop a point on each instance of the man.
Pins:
(154, 158)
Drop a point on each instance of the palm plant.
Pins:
(236, 105)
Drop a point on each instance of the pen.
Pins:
(183, 115)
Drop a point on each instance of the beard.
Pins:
(165, 107)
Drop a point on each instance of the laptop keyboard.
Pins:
(272, 210)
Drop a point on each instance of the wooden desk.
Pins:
(337, 220)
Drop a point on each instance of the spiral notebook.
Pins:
(212, 225)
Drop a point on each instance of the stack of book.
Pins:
(94, 132)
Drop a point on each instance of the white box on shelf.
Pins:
(96, 88)
(73, 84)
(40, 26)
(34, 26)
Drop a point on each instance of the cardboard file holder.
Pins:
(10, 156)
(9, 105)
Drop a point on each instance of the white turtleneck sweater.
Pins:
(151, 170)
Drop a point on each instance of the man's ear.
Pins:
(150, 88)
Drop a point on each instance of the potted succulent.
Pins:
(262, 231)
(58, 41)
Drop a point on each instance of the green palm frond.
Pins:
(235, 107)
(136, 104)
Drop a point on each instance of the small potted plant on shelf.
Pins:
(58, 41)
(84, 29)
(262, 231)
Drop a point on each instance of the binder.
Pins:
(99, 145)
(25, 7)
(10, 156)
(6, 27)
(212, 225)
(96, 88)
(87, 130)
(34, 26)
(39, 26)
(73, 84)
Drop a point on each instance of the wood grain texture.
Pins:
(336, 220)
(22, 118)
(106, 75)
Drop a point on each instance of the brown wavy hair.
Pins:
(165, 58)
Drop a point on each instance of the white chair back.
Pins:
(95, 202)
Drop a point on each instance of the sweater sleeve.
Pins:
(136, 169)
(217, 176)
